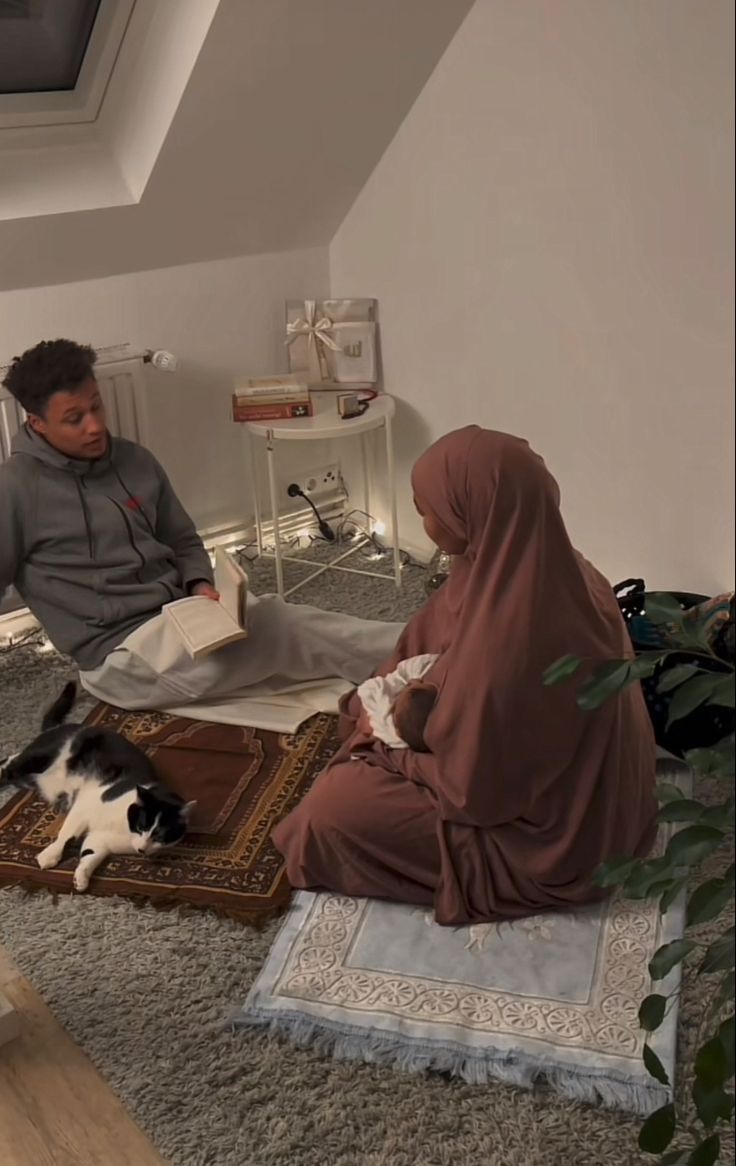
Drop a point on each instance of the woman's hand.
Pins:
(206, 590)
(349, 707)
(363, 724)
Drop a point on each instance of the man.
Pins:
(95, 541)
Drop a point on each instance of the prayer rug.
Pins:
(553, 996)
(243, 780)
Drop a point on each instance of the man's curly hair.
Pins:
(53, 366)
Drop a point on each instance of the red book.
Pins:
(271, 412)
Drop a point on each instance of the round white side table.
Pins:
(324, 425)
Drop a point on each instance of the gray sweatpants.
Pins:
(290, 652)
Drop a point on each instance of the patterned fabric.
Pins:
(244, 781)
(714, 615)
(554, 995)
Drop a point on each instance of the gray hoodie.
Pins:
(95, 548)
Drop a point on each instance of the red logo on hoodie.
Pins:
(134, 504)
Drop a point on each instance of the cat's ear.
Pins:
(187, 810)
(143, 794)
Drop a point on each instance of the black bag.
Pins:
(706, 725)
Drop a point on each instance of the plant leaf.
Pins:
(691, 695)
(727, 1037)
(719, 758)
(671, 894)
(610, 874)
(681, 810)
(713, 1105)
(706, 1153)
(645, 665)
(665, 792)
(651, 1012)
(649, 878)
(720, 955)
(665, 957)
(720, 816)
(652, 890)
(711, 1064)
(658, 1130)
(607, 680)
(724, 693)
(675, 676)
(663, 608)
(563, 668)
(708, 900)
(693, 844)
(654, 1066)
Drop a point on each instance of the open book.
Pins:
(204, 625)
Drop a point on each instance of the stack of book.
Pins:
(272, 398)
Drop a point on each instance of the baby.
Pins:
(397, 706)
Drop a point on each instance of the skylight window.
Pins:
(56, 59)
(93, 145)
(43, 43)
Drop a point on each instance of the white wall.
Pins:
(222, 319)
(550, 236)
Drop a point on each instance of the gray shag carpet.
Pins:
(147, 994)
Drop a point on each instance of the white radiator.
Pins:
(123, 389)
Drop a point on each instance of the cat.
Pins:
(114, 802)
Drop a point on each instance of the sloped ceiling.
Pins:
(289, 107)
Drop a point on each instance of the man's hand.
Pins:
(206, 590)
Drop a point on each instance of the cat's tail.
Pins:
(60, 709)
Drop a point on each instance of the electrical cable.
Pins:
(295, 491)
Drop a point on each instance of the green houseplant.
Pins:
(703, 830)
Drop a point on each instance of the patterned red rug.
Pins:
(243, 780)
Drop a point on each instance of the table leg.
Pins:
(392, 499)
(275, 513)
(255, 492)
(366, 481)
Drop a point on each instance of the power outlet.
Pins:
(325, 480)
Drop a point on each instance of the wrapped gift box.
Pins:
(332, 342)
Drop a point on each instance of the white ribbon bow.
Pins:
(313, 329)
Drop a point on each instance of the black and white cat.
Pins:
(115, 803)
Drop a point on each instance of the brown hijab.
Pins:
(504, 749)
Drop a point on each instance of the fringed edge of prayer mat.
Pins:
(351, 1043)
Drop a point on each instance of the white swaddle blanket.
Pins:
(377, 695)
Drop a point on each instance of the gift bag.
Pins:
(332, 342)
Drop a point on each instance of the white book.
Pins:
(282, 386)
(265, 396)
(202, 624)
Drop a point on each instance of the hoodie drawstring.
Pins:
(87, 524)
(134, 500)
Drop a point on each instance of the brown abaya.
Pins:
(522, 795)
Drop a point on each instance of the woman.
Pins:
(522, 795)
